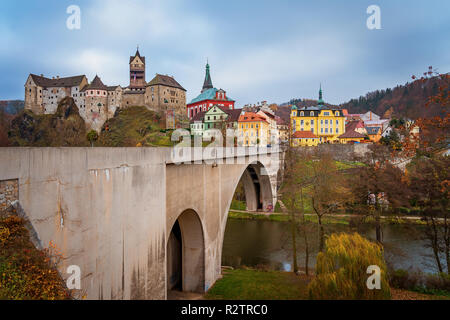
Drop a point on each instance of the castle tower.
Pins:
(137, 71)
(207, 84)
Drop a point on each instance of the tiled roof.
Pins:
(112, 88)
(168, 81)
(351, 134)
(250, 117)
(353, 125)
(58, 82)
(138, 55)
(198, 117)
(96, 84)
(233, 114)
(209, 94)
(304, 134)
(373, 130)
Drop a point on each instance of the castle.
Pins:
(97, 102)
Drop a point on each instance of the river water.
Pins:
(258, 242)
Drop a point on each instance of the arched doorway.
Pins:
(186, 254)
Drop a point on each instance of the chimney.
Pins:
(42, 74)
(57, 77)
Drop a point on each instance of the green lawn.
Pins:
(243, 284)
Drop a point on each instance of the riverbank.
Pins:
(328, 219)
(252, 284)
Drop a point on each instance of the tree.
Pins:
(328, 191)
(341, 270)
(92, 136)
(296, 179)
(377, 186)
(429, 180)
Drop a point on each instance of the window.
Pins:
(337, 130)
(312, 122)
(326, 113)
(301, 122)
(311, 113)
(302, 113)
(337, 122)
(321, 121)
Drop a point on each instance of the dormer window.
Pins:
(311, 113)
(302, 113)
(337, 113)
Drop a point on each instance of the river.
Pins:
(254, 243)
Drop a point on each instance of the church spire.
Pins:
(207, 84)
(320, 101)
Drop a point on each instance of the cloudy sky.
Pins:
(258, 50)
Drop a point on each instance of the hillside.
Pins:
(63, 129)
(134, 126)
(406, 101)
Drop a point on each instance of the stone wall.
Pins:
(342, 152)
(9, 192)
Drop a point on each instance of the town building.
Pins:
(217, 117)
(374, 133)
(325, 122)
(208, 97)
(253, 130)
(304, 139)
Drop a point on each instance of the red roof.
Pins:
(251, 117)
(304, 134)
(351, 134)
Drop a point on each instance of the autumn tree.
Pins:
(377, 186)
(328, 190)
(429, 180)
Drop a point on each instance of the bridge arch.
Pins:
(185, 262)
(257, 187)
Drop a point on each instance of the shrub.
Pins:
(402, 279)
(341, 270)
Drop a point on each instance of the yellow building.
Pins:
(252, 130)
(324, 122)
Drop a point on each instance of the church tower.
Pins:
(207, 84)
(137, 71)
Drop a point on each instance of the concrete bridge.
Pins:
(136, 222)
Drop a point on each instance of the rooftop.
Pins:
(304, 134)
(165, 80)
(209, 94)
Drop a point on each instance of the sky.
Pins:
(257, 50)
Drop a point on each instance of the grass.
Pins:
(249, 284)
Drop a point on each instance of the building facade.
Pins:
(253, 130)
(42, 94)
(325, 122)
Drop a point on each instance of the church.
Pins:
(208, 97)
